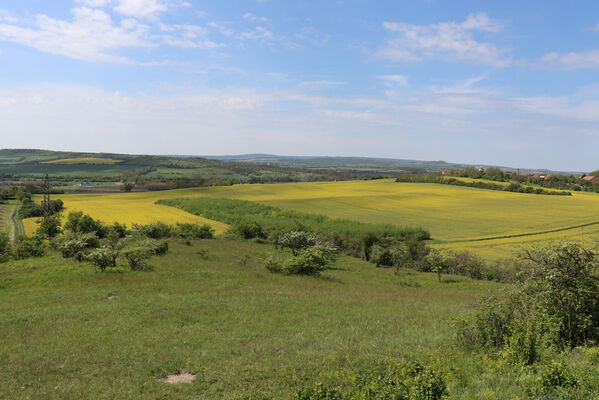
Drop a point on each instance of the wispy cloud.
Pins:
(585, 59)
(395, 80)
(131, 8)
(92, 35)
(252, 18)
(448, 40)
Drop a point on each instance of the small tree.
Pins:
(102, 258)
(49, 226)
(296, 240)
(137, 258)
(107, 255)
(127, 186)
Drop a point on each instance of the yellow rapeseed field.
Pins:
(455, 216)
(128, 208)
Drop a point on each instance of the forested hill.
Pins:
(364, 165)
(16, 164)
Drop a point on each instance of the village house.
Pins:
(591, 178)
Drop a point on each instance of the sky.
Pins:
(511, 83)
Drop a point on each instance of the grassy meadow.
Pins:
(457, 217)
(72, 333)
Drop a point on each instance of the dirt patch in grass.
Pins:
(181, 377)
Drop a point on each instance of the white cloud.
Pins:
(140, 8)
(347, 114)
(90, 36)
(395, 80)
(449, 40)
(7, 17)
(260, 33)
(131, 8)
(586, 59)
(252, 18)
(187, 36)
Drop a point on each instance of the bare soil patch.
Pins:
(181, 377)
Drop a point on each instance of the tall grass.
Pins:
(276, 220)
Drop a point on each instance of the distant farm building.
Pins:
(446, 172)
(591, 178)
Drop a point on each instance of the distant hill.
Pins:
(16, 164)
(246, 168)
(362, 164)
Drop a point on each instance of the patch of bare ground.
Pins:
(181, 377)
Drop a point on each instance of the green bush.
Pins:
(102, 258)
(78, 222)
(118, 229)
(556, 375)
(25, 247)
(554, 305)
(523, 345)
(249, 228)
(50, 226)
(155, 247)
(156, 230)
(296, 240)
(76, 245)
(195, 231)
(137, 258)
(273, 264)
(393, 380)
(309, 261)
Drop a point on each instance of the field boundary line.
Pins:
(515, 235)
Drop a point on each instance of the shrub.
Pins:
(273, 264)
(118, 229)
(26, 247)
(77, 222)
(49, 226)
(393, 380)
(103, 258)
(156, 247)
(5, 247)
(555, 376)
(296, 240)
(195, 231)
(75, 245)
(489, 323)
(523, 345)
(137, 258)
(554, 304)
(381, 256)
(249, 228)
(309, 261)
(155, 230)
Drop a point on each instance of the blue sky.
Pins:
(510, 83)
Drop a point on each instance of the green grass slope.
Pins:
(238, 328)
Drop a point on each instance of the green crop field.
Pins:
(83, 160)
(457, 217)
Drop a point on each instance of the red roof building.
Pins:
(591, 178)
(446, 172)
